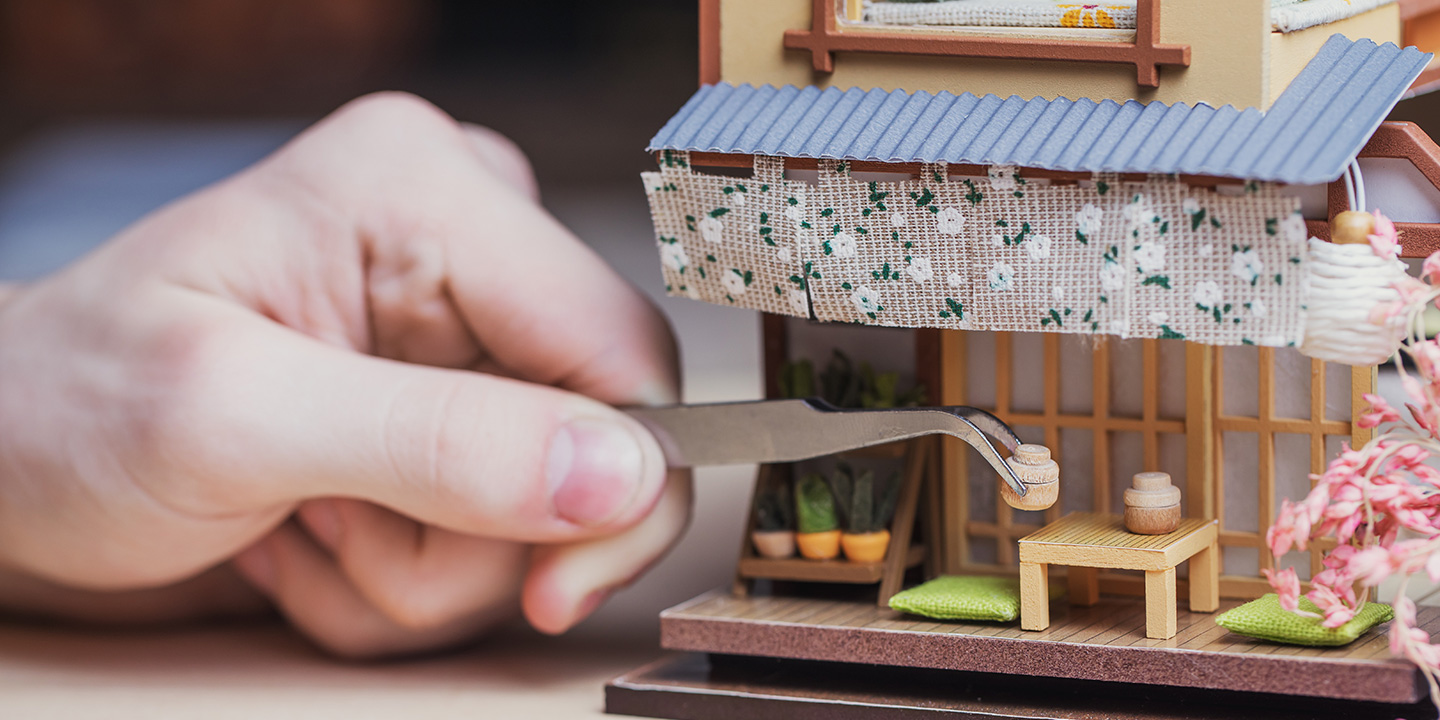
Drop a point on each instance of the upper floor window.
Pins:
(1001, 29)
(1058, 14)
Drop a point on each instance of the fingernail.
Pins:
(594, 469)
(256, 565)
(322, 520)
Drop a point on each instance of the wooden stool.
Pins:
(1087, 541)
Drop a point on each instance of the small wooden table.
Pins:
(1089, 541)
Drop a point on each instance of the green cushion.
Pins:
(1265, 619)
(964, 597)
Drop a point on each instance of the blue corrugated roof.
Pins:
(1308, 136)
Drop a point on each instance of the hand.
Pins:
(362, 373)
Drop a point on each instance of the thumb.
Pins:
(470, 452)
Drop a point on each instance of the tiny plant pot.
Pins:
(819, 545)
(774, 544)
(865, 548)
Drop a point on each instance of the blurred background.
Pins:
(110, 108)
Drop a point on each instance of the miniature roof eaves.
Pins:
(1308, 136)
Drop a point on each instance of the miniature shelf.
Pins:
(920, 464)
(834, 571)
(1105, 642)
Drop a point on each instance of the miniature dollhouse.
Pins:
(1110, 226)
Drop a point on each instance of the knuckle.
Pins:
(393, 113)
(482, 580)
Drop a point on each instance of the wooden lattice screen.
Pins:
(1195, 435)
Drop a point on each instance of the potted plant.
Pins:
(774, 533)
(844, 385)
(866, 510)
(819, 531)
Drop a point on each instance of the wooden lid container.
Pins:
(1152, 506)
(1039, 474)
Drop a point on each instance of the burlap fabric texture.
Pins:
(1154, 259)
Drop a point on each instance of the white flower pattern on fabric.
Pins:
(949, 221)
(1058, 292)
(1038, 247)
(1140, 218)
(920, 270)
(1190, 206)
(1207, 294)
(1258, 309)
(691, 292)
(843, 245)
(1247, 265)
(1002, 177)
(799, 301)
(1206, 250)
(997, 240)
(1001, 277)
(1089, 219)
(955, 280)
(898, 220)
(739, 199)
(866, 300)
(793, 212)
(734, 282)
(711, 229)
(1150, 257)
(1112, 277)
(1138, 212)
(673, 256)
(1159, 317)
(784, 255)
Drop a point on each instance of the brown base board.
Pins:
(1105, 642)
(698, 687)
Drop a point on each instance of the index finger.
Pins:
(542, 305)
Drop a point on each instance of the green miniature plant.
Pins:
(797, 379)
(815, 505)
(774, 507)
(864, 506)
(842, 384)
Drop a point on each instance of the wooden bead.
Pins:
(1352, 227)
(1152, 506)
(1038, 473)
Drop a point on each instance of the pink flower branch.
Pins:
(1367, 496)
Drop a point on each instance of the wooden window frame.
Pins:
(1101, 421)
(1265, 425)
(1146, 53)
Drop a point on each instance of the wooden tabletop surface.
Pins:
(262, 670)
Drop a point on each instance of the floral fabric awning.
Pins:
(1156, 259)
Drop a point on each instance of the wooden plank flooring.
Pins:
(1103, 642)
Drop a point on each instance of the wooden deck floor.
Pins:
(1104, 642)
